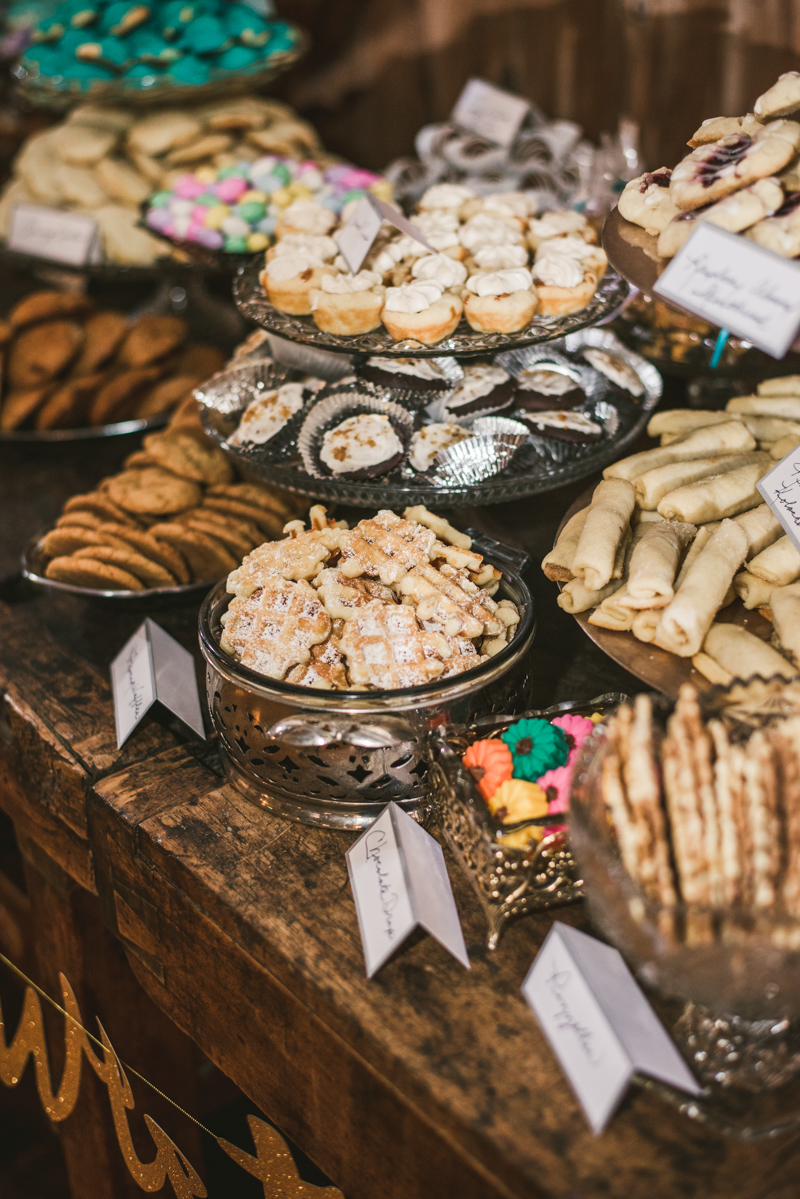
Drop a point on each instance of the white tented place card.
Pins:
(356, 238)
(781, 490)
(736, 285)
(65, 237)
(598, 1022)
(153, 667)
(399, 881)
(490, 112)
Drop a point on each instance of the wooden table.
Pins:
(426, 1082)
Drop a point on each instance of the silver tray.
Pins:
(535, 474)
(33, 567)
(89, 433)
(253, 303)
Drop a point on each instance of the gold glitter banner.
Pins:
(272, 1164)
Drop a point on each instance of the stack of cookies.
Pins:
(106, 162)
(395, 602)
(66, 365)
(174, 516)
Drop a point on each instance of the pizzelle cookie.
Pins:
(294, 558)
(385, 648)
(324, 669)
(343, 596)
(275, 627)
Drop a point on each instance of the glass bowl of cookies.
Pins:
(331, 653)
(683, 821)
(501, 786)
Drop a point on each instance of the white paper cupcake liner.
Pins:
(472, 461)
(334, 409)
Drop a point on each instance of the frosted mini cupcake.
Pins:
(562, 285)
(484, 389)
(348, 304)
(288, 279)
(500, 301)
(421, 311)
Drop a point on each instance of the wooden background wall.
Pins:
(380, 69)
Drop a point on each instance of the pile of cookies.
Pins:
(148, 46)
(107, 162)
(706, 817)
(489, 258)
(674, 534)
(742, 175)
(66, 365)
(174, 516)
(395, 602)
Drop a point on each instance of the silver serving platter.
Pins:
(88, 433)
(253, 303)
(536, 473)
(33, 567)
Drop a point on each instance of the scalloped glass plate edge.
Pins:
(611, 294)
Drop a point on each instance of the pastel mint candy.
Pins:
(161, 199)
(267, 225)
(175, 16)
(71, 41)
(234, 226)
(229, 173)
(190, 70)
(150, 47)
(237, 58)
(205, 35)
(252, 212)
(235, 245)
(78, 13)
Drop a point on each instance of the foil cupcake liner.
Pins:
(230, 392)
(415, 398)
(331, 411)
(491, 425)
(472, 461)
(591, 382)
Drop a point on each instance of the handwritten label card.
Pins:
(355, 240)
(781, 490)
(48, 233)
(153, 668)
(599, 1024)
(490, 112)
(736, 285)
(399, 882)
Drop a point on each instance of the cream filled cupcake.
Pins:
(430, 440)
(399, 252)
(516, 206)
(500, 301)
(497, 258)
(445, 196)
(592, 258)
(440, 228)
(289, 279)
(305, 216)
(348, 304)
(441, 268)
(422, 311)
(562, 285)
(486, 230)
(323, 248)
(483, 389)
(559, 224)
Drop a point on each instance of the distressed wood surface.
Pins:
(426, 1081)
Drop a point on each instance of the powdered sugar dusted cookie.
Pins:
(646, 201)
(715, 170)
(735, 212)
(386, 648)
(715, 128)
(274, 628)
(781, 232)
(780, 100)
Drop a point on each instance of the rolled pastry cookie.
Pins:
(699, 543)
(716, 497)
(752, 591)
(730, 437)
(622, 556)
(575, 597)
(712, 670)
(785, 608)
(653, 485)
(654, 564)
(645, 624)
(557, 565)
(687, 619)
(608, 517)
(611, 614)
(674, 422)
(644, 516)
(779, 449)
(784, 385)
(743, 654)
(778, 564)
(770, 428)
(783, 407)
(761, 528)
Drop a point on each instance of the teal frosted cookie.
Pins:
(237, 58)
(205, 35)
(174, 17)
(190, 70)
(150, 47)
(43, 60)
(282, 37)
(88, 72)
(537, 746)
(108, 52)
(121, 18)
(246, 25)
(49, 30)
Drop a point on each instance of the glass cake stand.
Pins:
(538, 466)
(249, 295)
